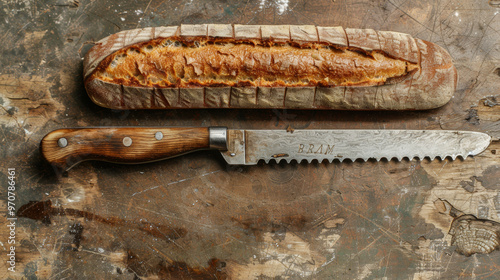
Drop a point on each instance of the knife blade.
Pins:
(65, 148)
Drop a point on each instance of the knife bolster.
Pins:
(218, 138)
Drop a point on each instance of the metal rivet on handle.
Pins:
(158, 135)
(127, 141)
(62, 142)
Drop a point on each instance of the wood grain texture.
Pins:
(120, 145)
(300, 221)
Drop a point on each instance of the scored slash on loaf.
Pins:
(267, 66)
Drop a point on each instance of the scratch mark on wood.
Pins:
(176, 182)
(414, 19)
(366, 247)
(164, 215)
(145, 10)
(478, 43)
(387, 232)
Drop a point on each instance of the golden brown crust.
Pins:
(218, 66)
(175, 62)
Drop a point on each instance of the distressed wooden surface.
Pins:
(194, 217)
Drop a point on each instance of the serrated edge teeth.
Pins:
(365, 159)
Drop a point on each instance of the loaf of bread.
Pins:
(267, 66)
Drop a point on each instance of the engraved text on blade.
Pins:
(315, 149)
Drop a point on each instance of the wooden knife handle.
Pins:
(64, 148)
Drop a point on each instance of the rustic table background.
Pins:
(194, 217)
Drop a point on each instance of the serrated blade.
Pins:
(249, 146)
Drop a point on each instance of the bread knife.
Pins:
(65, 148)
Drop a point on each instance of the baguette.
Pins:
(267, 66)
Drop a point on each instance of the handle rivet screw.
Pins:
(62, 142)
(158, 135)
(127, 141)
